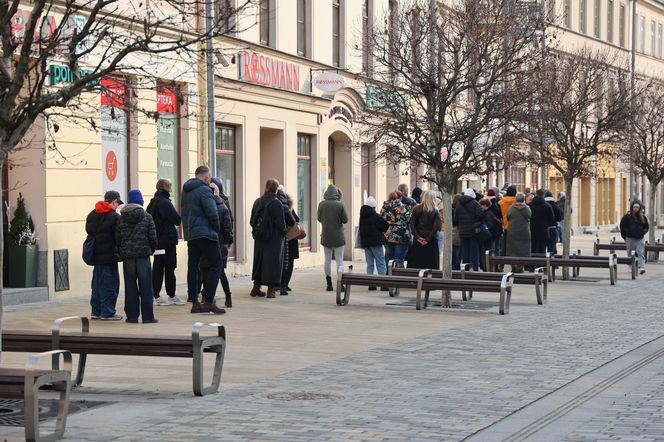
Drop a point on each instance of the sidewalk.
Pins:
(302, 368)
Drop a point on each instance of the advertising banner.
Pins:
(168, 139)
(114, 131)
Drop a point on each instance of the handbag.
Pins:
(296, 232)
(358, 238)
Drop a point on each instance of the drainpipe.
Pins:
(209, 54)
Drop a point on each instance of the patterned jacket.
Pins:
(397, 215)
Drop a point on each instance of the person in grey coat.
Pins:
(518, 241)
(332, 215)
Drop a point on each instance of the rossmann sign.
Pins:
(264, 70)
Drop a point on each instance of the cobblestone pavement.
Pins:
(443, 386)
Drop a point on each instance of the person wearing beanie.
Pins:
(466, 214)
(417, 195)
(100, 225)
(371, 234)
(508, 201)
(554, 230)
(498, 214)
(136, 236)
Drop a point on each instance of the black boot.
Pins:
(229, 301)
(329, 287)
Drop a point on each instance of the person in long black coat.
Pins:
(425, 224)
(541, 219)
(466, 214)
(268, 255)
(287, 204)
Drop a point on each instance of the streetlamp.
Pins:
(209, 65)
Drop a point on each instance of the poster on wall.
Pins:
(168, 139)
(113, 137)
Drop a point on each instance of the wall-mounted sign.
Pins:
(329, 82)
(168, 138)
(63, 74)
(341, 113)
(114, 149)
(267, 71)
(167, 101)
(112, 92)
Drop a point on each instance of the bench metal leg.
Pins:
(60, 379)
(339, 276)
(505, 297)
(538, 291)
(216, 344)
(55, 344)
(420, 281)
(634, 269)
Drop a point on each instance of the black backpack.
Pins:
(262, 227)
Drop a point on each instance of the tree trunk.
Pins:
(652, 197)
(567, 226)
(447, 245)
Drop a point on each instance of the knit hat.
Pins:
(371, 202)
(469, 192)
(490, 193)
(511, 191)
(135, 197)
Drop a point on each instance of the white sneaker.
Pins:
(160, 301)
(175, 301)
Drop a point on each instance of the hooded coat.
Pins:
(518, 240)
(372, 227)
(100, 224)
(630, 227)
(332, 215)
(541, 219)
(165, 219)
(466, 214)
(199, 211)
(135, 233)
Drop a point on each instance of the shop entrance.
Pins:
(272, 156)
(340, 173)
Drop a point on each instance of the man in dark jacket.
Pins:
(372, 228)
(166, 220)
(136, 237)
(466, 214)
(200, 222)
(403, 188)
(100, 224)
(541, 219)
(554, 229)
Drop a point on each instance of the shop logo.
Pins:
(267, 71)
(111, 166)
(329, 82)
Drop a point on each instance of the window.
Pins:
(582, 16)
(304, 184)
(302, 27)
(225, 144)
(226, 16)
(609, 21)
(642, 34)
(597, 18)
(367, 13)
(659, 40)
(653, 38)
(622, 26)
(336, 32)
(331, 148)
(567, 17)
(264, 21)
(518, 177)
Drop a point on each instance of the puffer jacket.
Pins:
(466, 214)
(332, 215)
(199, 211)
(101, 224)
(630, 227)
(165, 219)
(397, 214)
(372, 227)
(135, 233)
(505, 204)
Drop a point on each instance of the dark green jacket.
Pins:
(135, 234)
(332, 215)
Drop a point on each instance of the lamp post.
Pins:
(209, 64)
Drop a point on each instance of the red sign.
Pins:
(111, 166)
(167, 101)
(113, 92)
(267, 71)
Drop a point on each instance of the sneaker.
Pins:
(150, 321)
(160, 301)
(175, 301)
(112, 318)
(196, 307)
(94, 316)
(211, 307)
(642, 271)
(131, 321)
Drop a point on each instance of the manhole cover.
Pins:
(11, 410)
(302, 396)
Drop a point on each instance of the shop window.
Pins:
(609, 21)
(304, 28)
(304, 185)
(226, 147)
(368, 165)
(659, 40)
(653, 38)
(226, 15)
(551, 11)
(336, 32)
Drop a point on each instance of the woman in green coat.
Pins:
(518, 240)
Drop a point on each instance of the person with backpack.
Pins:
(268, 230)
(100, 227)
(332, 215)
(166, 219)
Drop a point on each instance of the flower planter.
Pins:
(23, 262)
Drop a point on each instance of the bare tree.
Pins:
(93, 39)
(449, 79)
(576, 117)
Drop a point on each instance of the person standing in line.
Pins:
(541, 219)
(136, 236)
(268, 230)
(633, 228)
(293, 247)
(468, 212)
(554, 230)
(505, 203)
(372, 228)
(425, 224)
(332, 215)
(403, 188)
(200, 222)
(166, 219)
(440, 236)
(397, 214)
(456, 239)
(290, 222)
(493, 225)
(416, 195)
(518, 240)
(498, 214)
(100, 224)
(561, 205)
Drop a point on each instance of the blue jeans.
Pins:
(396, 251)
(105, 288)
(376, 254)
(553, 240)
(440, 236)
(470, 252)
(138, 288)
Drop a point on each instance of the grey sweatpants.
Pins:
(639, 246)
(338, 256)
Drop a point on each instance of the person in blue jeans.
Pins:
(100, 224)
(136, 237)
(397, 214)
(372, 228)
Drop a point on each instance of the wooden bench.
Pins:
(424, 282)
(614, 246)
(492, 262)
(538, 279)
(85, 343)
(630, 261)
(24, 383)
